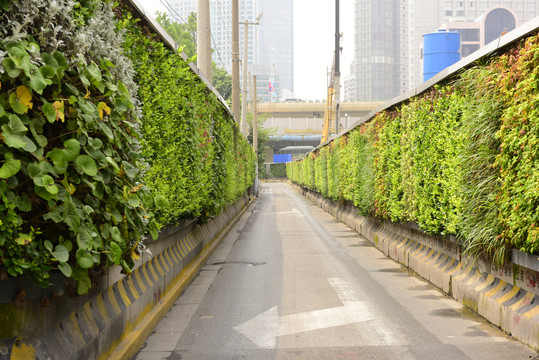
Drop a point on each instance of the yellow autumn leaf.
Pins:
(134, 189)
(59, 109)
(23, 239)
(103, 107)
(134, 253)
(87, 94)
(24, 96)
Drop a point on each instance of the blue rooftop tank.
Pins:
(440, 50)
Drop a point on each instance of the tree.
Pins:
(264, 135)
(186, 36)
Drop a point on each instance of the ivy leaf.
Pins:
(37, 82)
(106, 130)
(10, 167)
(94, 72)
(60, 59)
(65, 268)
(95, 143)
(54, 215)
(59, 159)
(86, 164)
(60, 253)
(84, 285)
(113, 163)
(30, 146)
(14, 132)
(49, 111)
(87, 107)
(48, 245)
(47, 71)
(49, 60)
(11, 68)
(115, 253)
(49, 185)
(130, 169)
(23, 203)
(59, 110)
(133, 200)
(116, 235)
(19, 56)
(42, 193)
(71, 217)
(84, 239)
(84, 258)
(102, 107)
(16, 104)
(37, 129)
(72, 149)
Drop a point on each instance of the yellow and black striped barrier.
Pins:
(115, 322)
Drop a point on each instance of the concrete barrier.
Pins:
(113, 320)
(507, 296)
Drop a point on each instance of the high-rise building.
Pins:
(427, 16)
(269, 46)
(381, 51)
(389, 38)
(221, 26)
(275, 43)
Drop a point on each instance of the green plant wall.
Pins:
(106, 136)
(462, 158)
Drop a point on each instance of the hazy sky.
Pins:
(314, 42)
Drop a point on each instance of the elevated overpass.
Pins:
(299, 124)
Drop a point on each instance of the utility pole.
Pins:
(255, 132)
(243, 124)
(204, 39)
(337, 69)
(235, 61)
(255, 119)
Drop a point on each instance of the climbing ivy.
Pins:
(104, 139)
(70, 177)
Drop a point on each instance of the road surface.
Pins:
(291, 282)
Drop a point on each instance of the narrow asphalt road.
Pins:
(291, 282)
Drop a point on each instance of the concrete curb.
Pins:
(134, 340)
(477, 285)
(115, 322)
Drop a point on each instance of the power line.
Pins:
(218, 53)
(171, 10)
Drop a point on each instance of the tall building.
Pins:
(269, 45)
(275, 43)
(381, 51)
(428, 15)
(389, 38)
(221, 26)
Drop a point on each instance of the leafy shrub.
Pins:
(76, 191)
(198, 161)
(70, 180)
(459, 159)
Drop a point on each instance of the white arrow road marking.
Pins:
(266, 327)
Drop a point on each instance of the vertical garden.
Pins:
(460, 159)
(106, 136)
